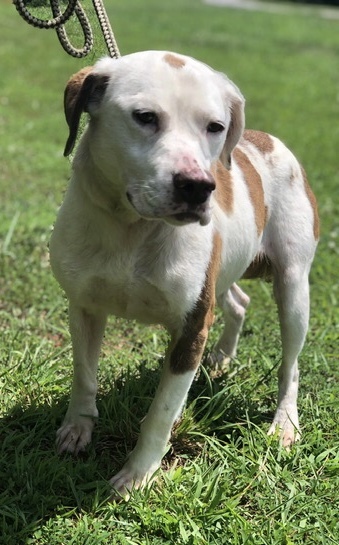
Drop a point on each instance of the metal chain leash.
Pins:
(59, 20)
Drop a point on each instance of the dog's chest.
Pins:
(153, 279)
(124, 293)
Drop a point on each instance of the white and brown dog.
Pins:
(169, 204)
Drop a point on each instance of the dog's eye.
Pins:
(215, 126)
(145, 117)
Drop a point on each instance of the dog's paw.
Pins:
(74, 435)
(287, 430)
(130, 478)
(217, 362)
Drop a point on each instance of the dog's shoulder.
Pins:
(263, 142)
(275, 176)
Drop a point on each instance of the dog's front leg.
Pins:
(87, 332)
(181, 363)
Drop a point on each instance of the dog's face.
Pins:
(158, 121)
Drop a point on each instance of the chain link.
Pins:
(59, 19)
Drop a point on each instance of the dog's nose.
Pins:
(193, 190)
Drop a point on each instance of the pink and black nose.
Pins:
(193, 190)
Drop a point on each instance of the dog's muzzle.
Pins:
(189, 201)
(192, 195)
(192, 191)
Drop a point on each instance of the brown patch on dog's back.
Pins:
(224, 187)
(255, 188)
(261, 140)
(174, 61)
(187, 351)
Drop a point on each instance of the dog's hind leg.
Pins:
(289, 242)
(291, 290)
(87, 331)
(233, 305)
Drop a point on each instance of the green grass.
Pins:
(225, 481)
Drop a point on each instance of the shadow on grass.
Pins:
(36, 484)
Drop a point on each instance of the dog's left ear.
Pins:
(83, 89)
(236, 105)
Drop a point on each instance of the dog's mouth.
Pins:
(183, 218)
(201, 214)
(187, 217)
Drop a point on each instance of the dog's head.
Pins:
(158, 122)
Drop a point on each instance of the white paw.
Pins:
(289, 431)
(130, 478)
(217, 361)
(74, 435)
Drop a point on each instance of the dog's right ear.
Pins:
(237, 124)
(83, 90)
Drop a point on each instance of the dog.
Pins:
(171, 201)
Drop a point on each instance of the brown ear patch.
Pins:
(255, 188)
(261, 140)
(91, 92)
(174, 60)
(72, 90)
